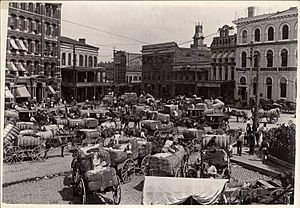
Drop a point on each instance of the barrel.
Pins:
(90, 122)
(61, 121)
(208, 111)
(29, 142)
(28, 132)
(45, 134)
(164, 118)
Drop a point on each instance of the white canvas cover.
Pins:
(171, 190)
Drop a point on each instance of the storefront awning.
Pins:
(8, 94)
(22, 92)
(214, 56)
(22, 45)
(13, 44)
(51, 90)
(232, 55)
(219, 56)
(208, 84)
(225, 55)
(21, 67)
(12, 66)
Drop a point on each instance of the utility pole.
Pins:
(251, 76)
(255, 122)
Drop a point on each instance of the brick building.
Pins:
(32, 58)
(82, 78)
(223, 63)
(170, 70)
(273, 37)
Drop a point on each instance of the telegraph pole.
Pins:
(251, 76)
(255, 122)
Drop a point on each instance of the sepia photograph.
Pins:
(148, 103)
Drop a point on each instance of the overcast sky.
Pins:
(152, 22)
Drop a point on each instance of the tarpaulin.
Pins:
(22, 92)
(169, 190)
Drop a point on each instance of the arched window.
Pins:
(81, 60)
(95, 61)
(21, 23)
(270, 34)
(285, 32)
(257, 35)
(244, 59)
(135, 78)
(69, 59)
(90, 61)
(256, 58)
(244, 36)
(269, 58)
(243, 80)
(63, 59)
(283, 88)
(269, 84)
(284, 57)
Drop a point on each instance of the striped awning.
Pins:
(219, 56)
(22, 92)
(51, 90)
(22, 45)
(13, 44)
(12, 66)
(21, 67)
(8, 94)
(232, 55)
(214, 56)
(225, 55)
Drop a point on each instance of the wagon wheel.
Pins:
(13, 155)
(144, 165)
(82, 190)
(238, 195)
(38, 153)
(116, 192)
(276, 193)
(127, 171)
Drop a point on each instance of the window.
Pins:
(256, 58)
(226, 73)
(63, 59)
(135, 78)
(283, 83)
(29, 25)
(269, 58)
(215, 74)
(254, 85)
(285, 32)
(257, 35)
(95, 61)
(81, 60)
(69, 59)
(244, 59)
(270, 34)
(220, 73)
(243, 80)
(85, 61)
(30, 7)
(90, 61)
(269, 87)
(244, 36)
(284, 57)
(232, 73)
(22, 23)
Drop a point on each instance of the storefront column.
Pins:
(43, 90)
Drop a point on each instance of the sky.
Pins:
(149, 22)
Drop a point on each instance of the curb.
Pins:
(261, 170)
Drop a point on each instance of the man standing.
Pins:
(251, 143)
(239, 144)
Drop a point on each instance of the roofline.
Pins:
(77, 42)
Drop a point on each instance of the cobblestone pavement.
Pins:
(57, 191)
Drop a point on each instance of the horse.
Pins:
(238, 114)
(135, 118)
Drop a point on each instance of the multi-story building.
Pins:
(170, 70)
(82, 78)
(223, 62)
(32, 58)
(127, 71)
(273, 39)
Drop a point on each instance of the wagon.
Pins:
(217, 120)
(166, 164)
(271, 116)
(87, 178)
(184, 191)
(25, 115)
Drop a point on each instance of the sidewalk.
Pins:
(254, 162)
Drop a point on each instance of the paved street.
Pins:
(53, 190)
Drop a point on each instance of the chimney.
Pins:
(251, 11)
(82, 40)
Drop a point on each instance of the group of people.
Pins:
(253, 137)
